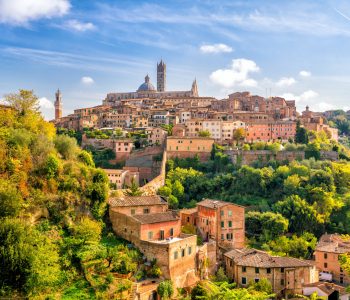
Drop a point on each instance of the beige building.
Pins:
(286, 274)
(156, 136)
(189, 147)
(121, 178)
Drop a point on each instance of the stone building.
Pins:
(326, 254)
(183, 147)
(222, 222)
(287, 275)
(121, 178)
(146, 222)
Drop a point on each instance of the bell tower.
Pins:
(161, 76)
(58, 105)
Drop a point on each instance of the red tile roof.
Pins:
(260, 259)
(157, 217)
(126, 201)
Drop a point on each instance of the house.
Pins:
(326, 254)
(156, 136)
(220, 221)
(287, 275)
(146, 222)
(328, 290)
(121, 178)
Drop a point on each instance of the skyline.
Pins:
(87, 49)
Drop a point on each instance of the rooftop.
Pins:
(327, 288)
(126, 201)
(334, 243)
(260, 259)
(210, 203)
(157, 217)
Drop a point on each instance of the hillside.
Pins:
(54, 243)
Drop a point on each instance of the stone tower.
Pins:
(58, 105)
(194, 89)
(161, 76)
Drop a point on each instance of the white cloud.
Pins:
(286, 81)
(238, 74)
(78, 26)
(21, 12)
(305, 96)
(45, 103)
(305, 73)
(87, 80)
(216, 48)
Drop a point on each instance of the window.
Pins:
(268, 270)
(244, 280)
(133, 211)
(182, 252)
(150, 235)
(256, 280)
(257, 270)
(175, 255)
(282, 270)
(189, 250)
(222, 224)
(207, 222)
(341, 280)
(325, 255)
(146, 210)
(230, 213)
(229, 223)
(244, 269)
(222, 213)
(188, 219)
(222, 236)
(325, 265)
(171, 231)
(282, 281)
(162, 234)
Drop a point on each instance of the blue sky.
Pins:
(296, 49)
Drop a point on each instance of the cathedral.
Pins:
(147, 90)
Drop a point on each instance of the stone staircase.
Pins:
(132, 294)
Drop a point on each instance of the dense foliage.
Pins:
(53, 238)
(302, 199)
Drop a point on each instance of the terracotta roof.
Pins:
(333, 243)
(210, 203)
(189, 211)
(327, 287)
(136, 201)
(260, 259)
(157, 217)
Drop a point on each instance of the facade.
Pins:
(146, 222)
(156, 136)
(122, 178)
(189, 147)
(326, 254)
(287, 275)
(222, 222)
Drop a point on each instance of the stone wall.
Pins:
(203, 156)
(152, 187)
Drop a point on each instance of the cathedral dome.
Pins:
(146, 86)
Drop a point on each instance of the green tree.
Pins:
(66, 146)
(165, 289)
(204, 133)
(133, 189)
(86, 158)
(87, 230)
(301, 136)
(302, 217)
(11, 201)
(24, 102)
(220, 275)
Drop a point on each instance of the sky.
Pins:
(299, 50)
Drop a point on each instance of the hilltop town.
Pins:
(142, 139)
